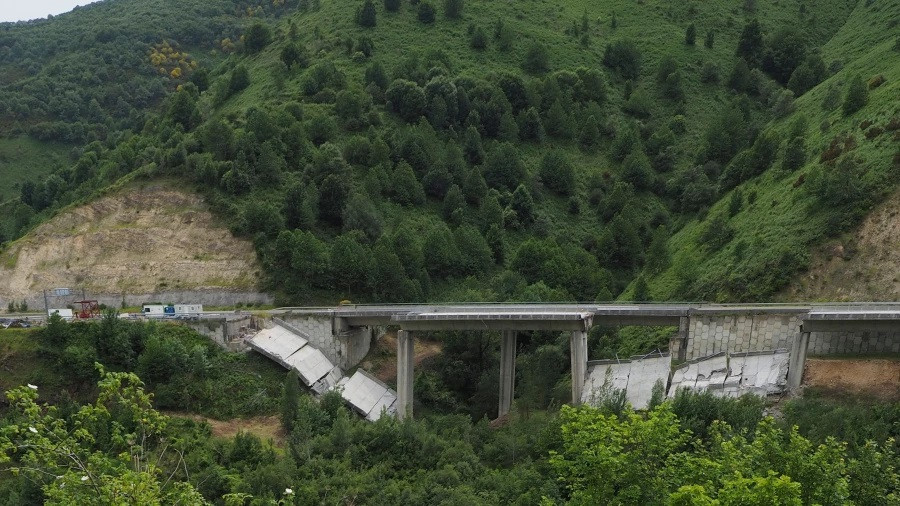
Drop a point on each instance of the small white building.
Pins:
(155, 310)
(65, 314)
(188, 308)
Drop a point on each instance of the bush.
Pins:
(406, 99)
(710, 73)
(624, 57)
(536, 59)
(478, 39)
(365, 16)
(856, 97)
(258, 36)
(426, 13)
(240, 79)
(690, 34)
(503, 168)
(557, 173)
(392, 5)
(453, 8)
(710, 39)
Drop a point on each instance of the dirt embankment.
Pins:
(878, 378)
(264, 427)
(862, 265)
(140, 240)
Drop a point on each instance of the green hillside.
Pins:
(486, 151)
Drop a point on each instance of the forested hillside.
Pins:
(479, 151)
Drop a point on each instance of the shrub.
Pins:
(690, 34)
(536, 59)
(426, 13)
(392, 5)
(478, 39)
(557, 173)
(503, 168)
(710, 73)
(784, 53)
(856, 97)
(240, 79)
(406, 99)
(365, 16)
(453, 8)
(258, 36)
(710, 39)
(624, 57)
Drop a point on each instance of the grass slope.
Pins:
(784, 220)
(26, 159)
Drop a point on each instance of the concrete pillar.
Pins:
(797, 360)
(507, 370)
(405, 355)
(679, 351)
(578, 353)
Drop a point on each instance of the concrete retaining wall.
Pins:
(225, 332)
(206, 297)
(344, 347)
(742, 333)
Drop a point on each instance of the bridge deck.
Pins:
(531, 316)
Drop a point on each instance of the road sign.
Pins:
(62, 292)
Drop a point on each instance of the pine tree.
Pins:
(710, 38)
(658, 252)
(589, 136)
(523, 205)
(426, 13)
(472, 148)
(453, 202)
(290, 403)
(365, 17)
(640, 290)
(536, 59)
(479, 39)
(453, 8)
(690, 35)
(856, 97)
(405, 188)
(530, 126)
(750, 45)
(557, 173)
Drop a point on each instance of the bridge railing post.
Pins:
(507, 371)
(405, 356)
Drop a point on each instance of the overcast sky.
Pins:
(22, 10)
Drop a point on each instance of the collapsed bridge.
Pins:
(704, 330)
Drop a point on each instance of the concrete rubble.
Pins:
(760, 373)
(636, 376)
(285, 345)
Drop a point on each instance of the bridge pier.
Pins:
(797, 360)
(405, 356)
(507, 370)
(578, 354)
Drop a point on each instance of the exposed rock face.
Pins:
(153, 239)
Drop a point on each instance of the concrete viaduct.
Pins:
(702, 328)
